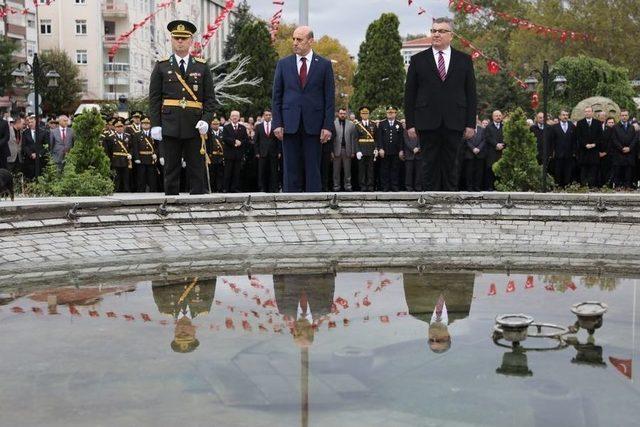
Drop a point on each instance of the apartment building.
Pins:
(87, 30)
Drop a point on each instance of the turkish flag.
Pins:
(492, 290)
(550, 288)
(511, 286)
(493, 67)
(529, 283)
(622, 365)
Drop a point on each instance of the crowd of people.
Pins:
(243, 155)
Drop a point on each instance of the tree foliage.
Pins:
(518, 169)
(65, 97)
(7, 63)
(380, 74)
(241, 18)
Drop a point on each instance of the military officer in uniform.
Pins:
(119, 151)
(390, 145)
(134, 123)
(184, 301)
(216, 155)
(366, 151)
(181, 105)
(145, 158)
(107, 132)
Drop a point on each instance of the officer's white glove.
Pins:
(161, 161)
(154, 157)
(128, 156)
(203, 127)
(156, 133)
(137, 162)
(184, 164)
(359, 155)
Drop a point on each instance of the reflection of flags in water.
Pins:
(440, 312)
(304, 311)
(622, 365)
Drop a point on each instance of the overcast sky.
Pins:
(347, 20)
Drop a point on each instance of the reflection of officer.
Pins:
(184, 301)
(181, 105)
(426, 294)
(304, 298)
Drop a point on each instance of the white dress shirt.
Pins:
(309, 56)
(186, 61)
(446, 53)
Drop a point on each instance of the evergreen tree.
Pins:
(7, 63)
(254, 41)
(518, 169)
(379, 78)
(241, 18)
(65, 97)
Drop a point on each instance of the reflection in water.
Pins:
(314, 349)
(184, 301)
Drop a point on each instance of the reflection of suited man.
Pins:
(423, 290)
(303, 109)
(184, 301)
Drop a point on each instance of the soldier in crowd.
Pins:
(184, 301)
(181, 106)
(588, 136)
(134, 125)
(216, 157)
(494, 141)
(234, 137)
(624, 146)
(268, 152)
(366, 151)
(412, 157)
(145, 158)
(119, 151)
(390, 144)
(475, 155)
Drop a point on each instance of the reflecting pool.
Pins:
(346, 349)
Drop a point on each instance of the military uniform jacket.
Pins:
(366, 138)
(176, 299)
(133, 129)
(390, 138)
(115, 150)
(215, 147)
(104, 139)
(144, 147)
(176, 121)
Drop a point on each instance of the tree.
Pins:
(588, 77)
(327, 47)
(379, 77)
(64, 97)
(242, 17)
(518, 169)
(7, 63)
(254, 42)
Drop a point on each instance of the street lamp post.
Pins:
(35, 69)
(531, 82)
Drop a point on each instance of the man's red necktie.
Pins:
(303, 71)
(64, 133)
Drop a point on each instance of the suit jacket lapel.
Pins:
(294, 69)
(452, 64)
(432, 62)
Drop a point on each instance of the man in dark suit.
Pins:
(303, 112)
(181, 105)
(539, 129)
(624, 145)
(390, 143)
(494, 142)
(33, 149)
(269, 150)
(4, 143)
(440, 105)
(234, 137)
(475, 154)
(588, 136)
(605, 150)
(562, 139)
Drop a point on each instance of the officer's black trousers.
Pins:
(175, 150)
(121, 180)
(146, 175)
(216, 175)
(365, 172)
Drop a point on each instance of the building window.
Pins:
(81, 56)
(45, 26)
(84, 84)
(31, 23)
(81, 26)
(81, 1)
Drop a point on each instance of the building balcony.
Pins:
(116, 81)
(110, 39)
(114, 9)
(116, 67)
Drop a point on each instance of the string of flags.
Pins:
(124, 37)
(10, 10)
(528, 284)
(213, 28)
(275, 19)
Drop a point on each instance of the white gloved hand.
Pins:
(184, 164)
(137, 162)
(156, 133)
(128, 156)
(161, 161)
(203, 127)
(359, 155)
(154, 157)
